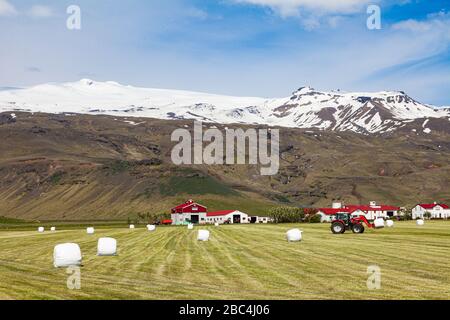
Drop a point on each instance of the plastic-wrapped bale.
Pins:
(107, 247)
(53, 229)
(151, 227)
(216, 224)
(66, 255)
(379, 223)
(41, 229)
(203, 235)
(90, 230)
(389, 223)
(294, 235)
(420, 222)
(132, 226)
(190, 226)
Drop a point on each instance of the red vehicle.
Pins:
(167, 222)
(344, 221)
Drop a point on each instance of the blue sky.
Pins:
(239, 47)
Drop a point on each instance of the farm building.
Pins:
(192, 212)
(189, 212)
(437, 211)
(227, 216)
(371, 211)
(256, 219)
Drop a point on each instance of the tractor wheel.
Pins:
(358, 228)
(337, 227)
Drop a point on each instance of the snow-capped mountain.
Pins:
(305, 108)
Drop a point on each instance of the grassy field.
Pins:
(239, 262)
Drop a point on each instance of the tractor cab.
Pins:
(342, 216)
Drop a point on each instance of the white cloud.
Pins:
(7, 9)
(437, 25)
(412, 25)
(40, 11)
(288, 8)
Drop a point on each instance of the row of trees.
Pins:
(149, 217)
(294, 215)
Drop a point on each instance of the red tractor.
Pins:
(344, 221)
(167, 222)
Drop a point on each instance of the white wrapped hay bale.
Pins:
(389, 223)
(90, 230)
(53, 229)
(132, 226)
(41, 229)
(294, 235)
(203, 235)
(379, 223)
(190, 226)
(66, 255)
(107, 247)
(420, 222)
(151, 227)
(216, 224)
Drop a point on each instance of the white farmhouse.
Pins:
(227, 216)
(371, 212)
(437, 211)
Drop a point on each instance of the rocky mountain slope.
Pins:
(72, 167)
(366, 113)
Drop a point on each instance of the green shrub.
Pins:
(286, 215)
(315, 219)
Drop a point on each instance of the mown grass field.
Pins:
(239, 262)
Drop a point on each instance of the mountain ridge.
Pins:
(361, 112)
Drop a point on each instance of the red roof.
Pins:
(219, 213)
(353, 208)
(184, 207)
(332, 211)
(432, 205)
(375, 208)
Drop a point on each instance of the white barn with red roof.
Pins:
(193, 212)
(437, 211)
(371, 211)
